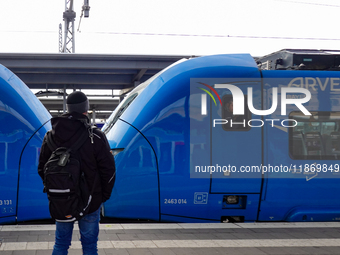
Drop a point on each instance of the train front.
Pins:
(24, 122)
(158, 134)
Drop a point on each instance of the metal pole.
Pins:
(65, 29)
(73, 37)
(64, 100)
(60, 38)
(94, 116)
(69, 16)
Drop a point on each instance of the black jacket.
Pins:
(96, 158)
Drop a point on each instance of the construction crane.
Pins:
(69, 16)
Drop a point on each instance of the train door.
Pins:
(236, 149)
(303, 182)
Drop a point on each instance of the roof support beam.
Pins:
(140, 74)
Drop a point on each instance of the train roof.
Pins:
(301, 59)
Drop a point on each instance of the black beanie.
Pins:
(77, 102)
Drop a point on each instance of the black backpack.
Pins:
(64, 181)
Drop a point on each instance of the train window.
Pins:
(118, 112)
(234, 122)
(316, 136)
(128, 100)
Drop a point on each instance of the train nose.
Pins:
(136, 191)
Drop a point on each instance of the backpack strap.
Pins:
(53, 146)
(66, 154)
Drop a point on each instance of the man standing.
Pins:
(97, 164)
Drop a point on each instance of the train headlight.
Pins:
(114, 152)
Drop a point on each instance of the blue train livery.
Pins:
(24, 122)
(209, 139)
(183, 156)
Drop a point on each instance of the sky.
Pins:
(176, 27)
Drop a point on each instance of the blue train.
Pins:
(209, 139)
(24, 122)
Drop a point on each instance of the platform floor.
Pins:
(176, 239)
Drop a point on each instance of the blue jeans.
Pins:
(89, 230)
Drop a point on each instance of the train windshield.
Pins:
(132, 96)
(316, 136)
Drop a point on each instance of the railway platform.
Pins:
(178, 239)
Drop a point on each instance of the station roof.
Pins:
(85, 71)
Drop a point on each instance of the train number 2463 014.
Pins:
(174, 201)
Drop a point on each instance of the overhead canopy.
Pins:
(85, 71)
